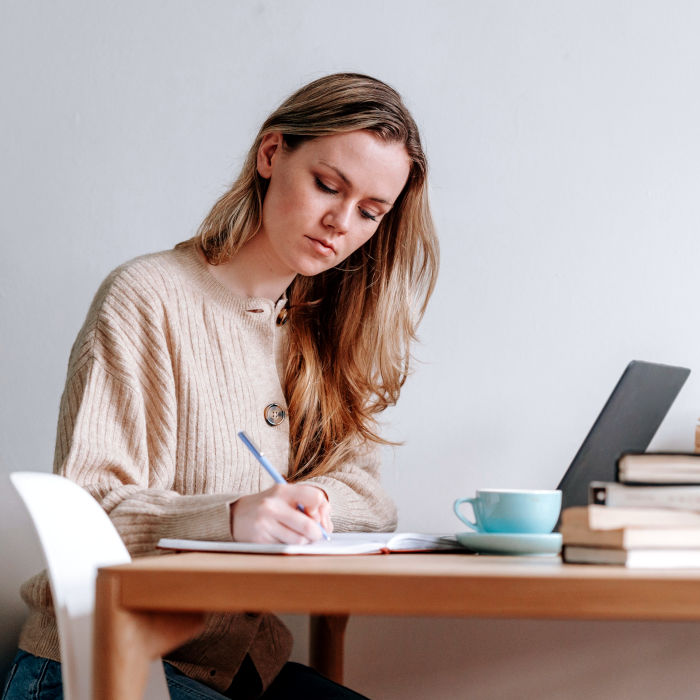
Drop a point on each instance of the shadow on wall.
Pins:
(21, 558)
(399, 658)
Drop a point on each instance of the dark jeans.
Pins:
(34, 678)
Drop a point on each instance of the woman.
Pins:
(289, 315)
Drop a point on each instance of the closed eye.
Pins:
(329, 190)
(323, 187)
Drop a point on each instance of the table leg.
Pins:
(126, 642)
(327, 645)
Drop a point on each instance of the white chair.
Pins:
(77, 537)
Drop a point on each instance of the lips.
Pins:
(323, 246)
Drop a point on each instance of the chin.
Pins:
(312, 273)
(313, 268)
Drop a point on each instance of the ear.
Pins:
(270, 146)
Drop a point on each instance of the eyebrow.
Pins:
(346, 180)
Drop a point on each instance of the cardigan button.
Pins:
(274, 414)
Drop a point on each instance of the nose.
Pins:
(338, 218)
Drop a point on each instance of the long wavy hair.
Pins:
(350, 327)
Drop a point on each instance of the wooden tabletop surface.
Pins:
(406, 584)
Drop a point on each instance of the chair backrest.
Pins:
(77, 537)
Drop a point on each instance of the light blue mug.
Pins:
(512, 511)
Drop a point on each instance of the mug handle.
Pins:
(456, 506)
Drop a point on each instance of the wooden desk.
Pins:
(147, 607)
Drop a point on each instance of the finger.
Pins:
(301, 523)
(281, 505)
(326, 517)
(322, 514)
(279, 533)
(308, 496)
(270, 528)
(257, 518)
(324, 523)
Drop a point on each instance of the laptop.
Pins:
(629, 420)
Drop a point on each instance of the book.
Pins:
(597, 517)
(578, 532)
(634, 558)
(659, 468)
(340, 543)
(610, 493)
(633, 537)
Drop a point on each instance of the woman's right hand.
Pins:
(272, 516)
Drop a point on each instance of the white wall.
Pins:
(564, 142)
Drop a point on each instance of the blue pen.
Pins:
(277, 477)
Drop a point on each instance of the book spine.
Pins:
(614, 494)
(575, 554)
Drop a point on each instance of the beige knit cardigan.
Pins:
(167, 368)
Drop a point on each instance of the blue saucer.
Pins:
(506, 543)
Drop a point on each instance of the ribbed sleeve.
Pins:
(105, 446)
(167, 368)
(358, 501)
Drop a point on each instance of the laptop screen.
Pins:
(629, 420)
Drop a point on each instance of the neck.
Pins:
(249, 273)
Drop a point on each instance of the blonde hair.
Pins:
(351, 326)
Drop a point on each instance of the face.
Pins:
(326, 197)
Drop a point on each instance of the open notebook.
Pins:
(340, 543)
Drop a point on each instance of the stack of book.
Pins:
(648, 518)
